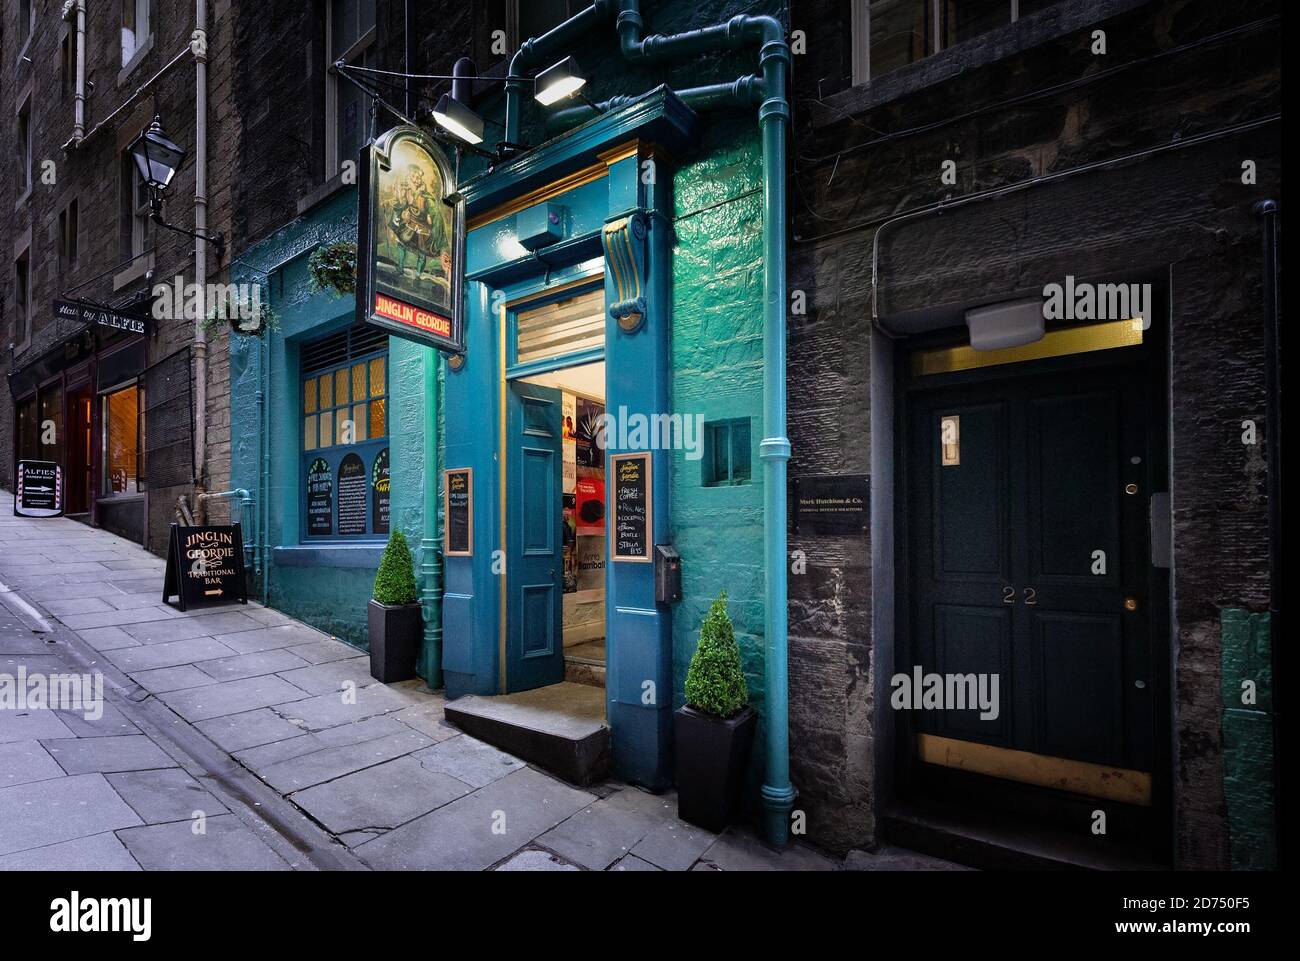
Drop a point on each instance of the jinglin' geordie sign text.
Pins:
(411, 241)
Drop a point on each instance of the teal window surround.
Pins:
(727, 459)
(368, 449)
(540, 297)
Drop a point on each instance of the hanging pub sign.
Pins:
(205, 566)
(99, 316)
(411, 241)
(39, 491)
(458, 508)
(633, 512)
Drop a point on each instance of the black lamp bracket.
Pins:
(217, 240)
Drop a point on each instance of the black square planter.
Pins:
(395, 634)
(712, 757)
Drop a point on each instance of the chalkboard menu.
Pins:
(379, 499)
(205, 566)
(320, 498)
(832, 504)
(458, 506)
(39, 492)
(633, 513)
(352, 496)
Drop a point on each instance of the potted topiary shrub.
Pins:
(395, 623)
(715, 730)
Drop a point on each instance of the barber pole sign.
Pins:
(39, 489)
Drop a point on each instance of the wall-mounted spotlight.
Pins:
(458, 120)
(558, 82)
(453, 113)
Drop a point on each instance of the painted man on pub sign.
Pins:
(412, 240)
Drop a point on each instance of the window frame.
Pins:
(367, 449)
(860, 53)
(69, 237)
(28, 29)
(712, 431)
(136, 226)
(141, 36)
(364, 44)
(23, 298)
(24, 143)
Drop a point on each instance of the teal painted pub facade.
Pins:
(655, 205)
(325, 580)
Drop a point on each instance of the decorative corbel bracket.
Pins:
(626, 243)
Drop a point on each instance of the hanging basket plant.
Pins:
(333, 267)
(248, 316)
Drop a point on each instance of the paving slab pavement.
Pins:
(207, 709)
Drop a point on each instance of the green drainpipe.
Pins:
(774, 450)
(774, 118)
(430, 556)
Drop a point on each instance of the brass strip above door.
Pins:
(1055, 343)
(578, 178)
(1077, 777)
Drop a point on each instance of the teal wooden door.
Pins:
(534, 542)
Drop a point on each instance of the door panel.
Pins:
(1028, 557)
(1074, 489)
(534, 565)
(971, 496)
(1081, 686)
(974, 640)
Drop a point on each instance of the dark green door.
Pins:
(534, 522)
(1029, 559)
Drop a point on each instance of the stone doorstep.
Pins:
(560, 728)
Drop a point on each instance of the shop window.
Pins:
(123, 441)
(888, 34)
(135, 28)
(350, 37)
(345, 435)
(28, 440)
(726, 453)
(50, 425)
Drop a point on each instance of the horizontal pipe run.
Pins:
(743, 92)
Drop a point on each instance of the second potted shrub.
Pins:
(715, 730)
(396, 625)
